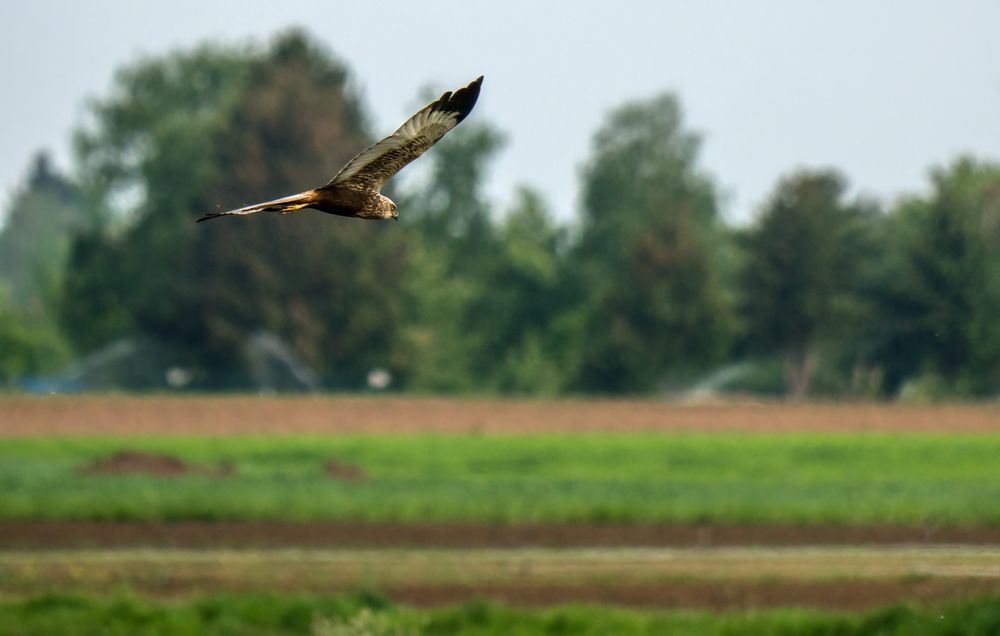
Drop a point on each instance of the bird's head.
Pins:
(388, 208)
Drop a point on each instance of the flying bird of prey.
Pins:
(355, 189)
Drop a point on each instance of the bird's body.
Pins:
(355, 190)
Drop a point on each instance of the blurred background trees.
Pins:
(647, 290)
(451, 241)
(650, 255)
(34, 251)
(939, 297)
(215, 129)
(801, 278)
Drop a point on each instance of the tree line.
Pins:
(646, 290)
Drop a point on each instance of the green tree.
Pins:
(801, 279)
(27, 345)
(940, 295)
(216, 128)
(328, 286)
(143, 158)
(650, 260)
(35, 240)
(34, 247)
(523, 312)
(452, 247)
(450, 209)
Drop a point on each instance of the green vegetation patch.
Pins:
(644, 477)
(370, 614)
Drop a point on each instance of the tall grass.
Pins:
(254, 615)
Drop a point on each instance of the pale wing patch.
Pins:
(416, 135)
(373, 166)
(430, 123)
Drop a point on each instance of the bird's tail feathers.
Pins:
(284, 205)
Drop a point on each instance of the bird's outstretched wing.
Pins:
(373, 166)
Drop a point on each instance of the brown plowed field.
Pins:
(716, 578)
(238, 415)
(39, 535)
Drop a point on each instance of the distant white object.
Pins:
(379, 379)
(178, 377)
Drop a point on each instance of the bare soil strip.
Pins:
(240, 415)
(40, 535)
(718, 578)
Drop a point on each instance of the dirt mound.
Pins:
(342, 470)
(143, 463)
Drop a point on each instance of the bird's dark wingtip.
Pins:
(463, 100)
(475, 85)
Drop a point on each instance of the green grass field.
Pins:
(845, 478)
(250, 615)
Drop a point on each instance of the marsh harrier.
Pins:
(355, 189)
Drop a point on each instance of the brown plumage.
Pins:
(355, 189)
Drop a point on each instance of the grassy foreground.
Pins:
(371, 615)
(597, 477)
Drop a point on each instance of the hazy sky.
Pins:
(882, 90)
